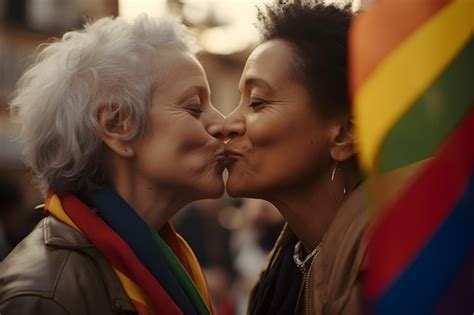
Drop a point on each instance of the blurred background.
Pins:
(231, 238)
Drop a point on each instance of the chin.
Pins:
(237, 188)
(244, 186)
(212, 190)
(235, 193)
(242, 192)
(217, 192)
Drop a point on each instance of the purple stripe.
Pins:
(459, 298)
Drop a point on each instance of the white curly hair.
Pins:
(58, 98)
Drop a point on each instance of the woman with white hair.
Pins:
(120, 133)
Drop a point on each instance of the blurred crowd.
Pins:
(231, 238)
(16, 219)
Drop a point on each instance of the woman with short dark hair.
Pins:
(292, 143)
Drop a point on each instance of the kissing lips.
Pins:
(221, 157)
(232, 155)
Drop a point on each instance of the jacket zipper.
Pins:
(304, 290)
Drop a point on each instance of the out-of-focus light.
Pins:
(236, 18)
(363, 4)
(197, 12)
(227, 40)
(356, 5)
(238, 29)
(129, 9)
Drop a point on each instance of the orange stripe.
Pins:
(374, 34)
(387, 187)
(170, 236)
(196, 272)
(132, 289)
(141, 308)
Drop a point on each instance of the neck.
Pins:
(310, 208)
(154, 204)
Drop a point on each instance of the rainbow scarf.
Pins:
(412, 76)
(159, 272)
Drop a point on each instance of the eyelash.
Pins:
(194, 110)
(257, 103)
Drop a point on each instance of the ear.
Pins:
(115, 125)
(343, 140)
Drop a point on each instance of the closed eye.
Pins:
(195, 110)
(257, 103)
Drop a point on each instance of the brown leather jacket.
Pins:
(56, 270)
(332, 286)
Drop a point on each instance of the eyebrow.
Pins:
(196, 89)
(257, 81)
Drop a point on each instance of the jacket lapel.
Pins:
(59, 235)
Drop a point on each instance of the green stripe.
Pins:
(433, 116)
(183, 277)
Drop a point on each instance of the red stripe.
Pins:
(118, 253)
(168, 234)
(376, 33)
(408, 224)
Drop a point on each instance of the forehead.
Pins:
(177, 69)
(272, 61)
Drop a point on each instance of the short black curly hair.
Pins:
(318, 32)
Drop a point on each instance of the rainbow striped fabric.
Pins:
(412, 85)
(159, 273)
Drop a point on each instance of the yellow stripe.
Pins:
(131, 288)
(53, 205)
(197, 274)
(404, 75)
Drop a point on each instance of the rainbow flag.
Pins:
(412, 86)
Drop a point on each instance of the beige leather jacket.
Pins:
(56, 270)
(332, 286)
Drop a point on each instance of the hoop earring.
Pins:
(333, 175)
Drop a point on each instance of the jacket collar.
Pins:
(355, 205)
(347, 227)
(60, 235)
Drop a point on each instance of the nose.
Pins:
(214, 123)
(234, 125)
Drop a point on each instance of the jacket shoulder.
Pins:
(338, 270)
(48, 269)
(31, 267)
(31, 304)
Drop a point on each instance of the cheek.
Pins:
(294, 155)
(195, 149)
(263, 130)
(174, 149)
(283, 153)
(185, 136)
(276, 138)
(189, 141)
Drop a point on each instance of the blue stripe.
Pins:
(420, 287)
(128, 224)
